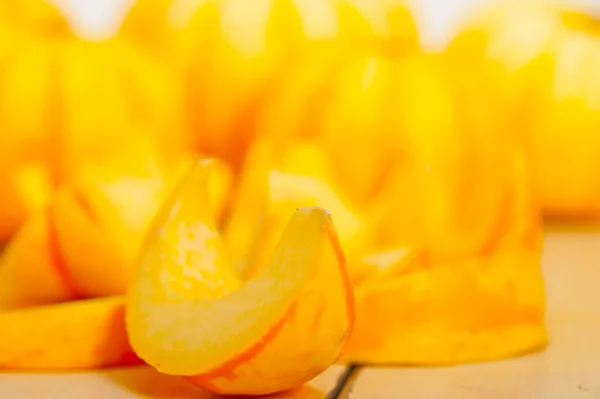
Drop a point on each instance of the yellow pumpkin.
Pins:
(410, 142)
(65, 101)
(235, 53)
(542, 63)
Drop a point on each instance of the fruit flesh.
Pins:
(71, 336)
(439, 309)
(272, 364)
(189, 314)
(33, 277)
(471, 311)
(102, 209)
(271, 188)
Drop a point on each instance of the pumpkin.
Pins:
(235, 53)
(66, 101)
(542, 61)
(447, 202)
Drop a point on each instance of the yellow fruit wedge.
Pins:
(484, 309)
(77, 335)
(86, 240)
(189, 314)
(31, 270)
(429, 308)
(272, 188)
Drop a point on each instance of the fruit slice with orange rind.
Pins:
(248, 204)
(286, 193)
(114, 203)
(79, 335)
(483, 309)
(274, 183)
(321, 302)
(189, 314)
(27, 189)
(446, 310)
(103, 209)
(30, 271)
(79, 231)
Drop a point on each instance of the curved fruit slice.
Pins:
(360, 119)
(75, 335)
(87, 239)
(286, 193)
(79, 231)
(28, 189)
(84, 242)
(437, 310)
(272, 188)
(106, 210)
(483, 309)
(31, 272)
(189, 314)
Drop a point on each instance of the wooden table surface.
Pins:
(568, 369)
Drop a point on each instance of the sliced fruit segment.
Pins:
(308, 258)
(78, 233)
(87, 238)
(31, 272)
(483, 309)
(189, 313)
(272, 188)
(105, 210)
(76, 335)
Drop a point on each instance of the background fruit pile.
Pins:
(435, 168)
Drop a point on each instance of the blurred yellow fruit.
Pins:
(65, 102)
(26, 184)
(400, 130)
(450, 176)
(352, 114)
(31, 272)
(445, 197)
(483, 309)
(271, 187)
(85, 242)
(542, 62)
(235, 53)
(429, 309)
(79, 335)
